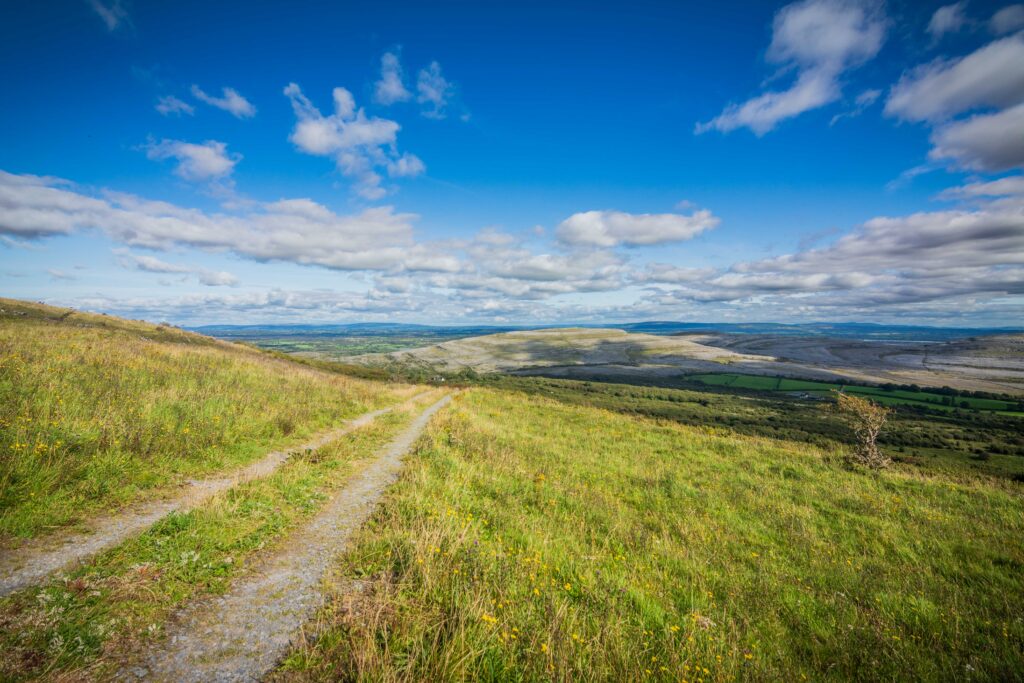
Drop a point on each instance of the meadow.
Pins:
(956, 441)
(531, 539)
(96, 412)
(542, 530)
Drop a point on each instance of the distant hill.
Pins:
(865, 331)
(990, 363)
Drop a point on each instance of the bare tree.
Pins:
(866, 419)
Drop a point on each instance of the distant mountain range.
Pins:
(865, 331)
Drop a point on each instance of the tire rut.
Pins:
(38, 559)
(243, 634)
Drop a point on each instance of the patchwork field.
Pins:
(989, 364)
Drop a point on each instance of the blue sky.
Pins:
(515, 162)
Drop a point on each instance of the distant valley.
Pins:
(991, 363)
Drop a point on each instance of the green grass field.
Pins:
(542, 530)
(533, 540)
(95, 412)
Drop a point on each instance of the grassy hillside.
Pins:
(82, 626)
(543, 530)
(959, 443)
(535, 540)
(96, 411)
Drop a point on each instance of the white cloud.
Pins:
(989, 77)
(948, 19)
(13, 243)
(862, 102)
(1007, 20)
(197, 163)
(614, 228)
(57, 274)
(961, 262)
(667, 273)
(230, 101)
(390, 88)
(294, 230)
(359, 144)
(406, 165)
(170, 104)
(820, 40)
(213, 278)
(434, 90)
(1003, 187)
(151, 264)
(938, 240)
(258, 306)
(941, 263)
(985, 142)
(114, 14)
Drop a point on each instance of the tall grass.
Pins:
(95, 411)
(115, 606)
(531, 540)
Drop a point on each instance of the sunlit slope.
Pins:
(993, 364)
(94, 410)
(534, 540)
(513, 351)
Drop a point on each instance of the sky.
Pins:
(524, 162)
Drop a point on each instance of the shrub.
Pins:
(866, 418)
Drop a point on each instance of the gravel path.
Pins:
(241, 635)
(36, 560)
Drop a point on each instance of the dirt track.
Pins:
(34, 561)
(241, 635)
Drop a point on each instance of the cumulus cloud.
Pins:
(666, 273)
(937, 264)
(151, 264)
(988, 83)
(937, 240)
(1007, 20)
(819, 40)
(195, 162)
(407, 165)
(170, 104)
(988, 77)
(962, 261)
(293, 230)
(359, 145)
(614, 228)
(984, 142)
(948, 19)
(114, 14)
(433, 90)
(230, 101)
(391, 87)
(215, 278)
